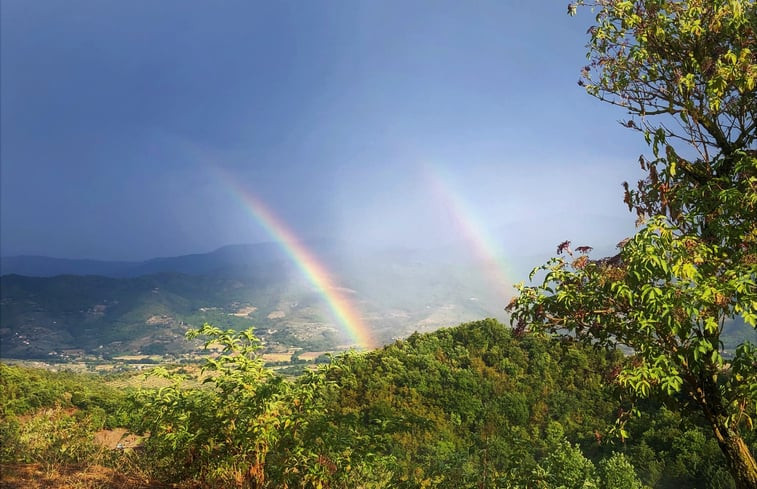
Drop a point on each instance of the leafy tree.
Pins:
(222, 433)
(685, 72)
(617, 472)
(567, 468)
(246, 427)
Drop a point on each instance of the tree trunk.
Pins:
(740, 461)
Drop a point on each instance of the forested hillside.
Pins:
(471, 406)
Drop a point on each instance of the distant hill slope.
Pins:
(45, 266)
(42, 317)
(220, 260)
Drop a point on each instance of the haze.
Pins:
(129, 128)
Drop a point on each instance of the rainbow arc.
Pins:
(336, 297)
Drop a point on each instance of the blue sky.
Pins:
(118, 118)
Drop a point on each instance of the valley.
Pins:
(101, 319)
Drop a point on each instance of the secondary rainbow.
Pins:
(470, 227)
(315, 272)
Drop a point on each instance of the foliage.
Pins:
(55, 437)
(22, 391)
(568, 468)
(617, 472)
(437, 410)
(692, 61)
(245, 428)
(670, 450)
(469, 403)
(471, 406)
(662, 302)
(686, 74)
(217, 432)
(51, 417)
(25, 391)
(476, 406)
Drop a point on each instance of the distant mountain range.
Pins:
(218, 261)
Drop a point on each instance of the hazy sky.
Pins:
(123, 124)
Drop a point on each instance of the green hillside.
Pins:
(465, 407)
(44, 317)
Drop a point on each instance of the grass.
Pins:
(36, 476)
(277, 357)
(309, 356)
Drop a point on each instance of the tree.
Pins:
(567, 468)
(223, 433)
(685, 72)
(618, 473)
(246, 426)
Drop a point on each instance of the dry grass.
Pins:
(309, 356)
(35, 476)
(277, 357)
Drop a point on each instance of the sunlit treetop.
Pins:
(685, 72)
(693, 60)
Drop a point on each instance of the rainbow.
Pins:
(471, 229)
(339, 304)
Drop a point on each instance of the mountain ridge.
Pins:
(194, 263)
